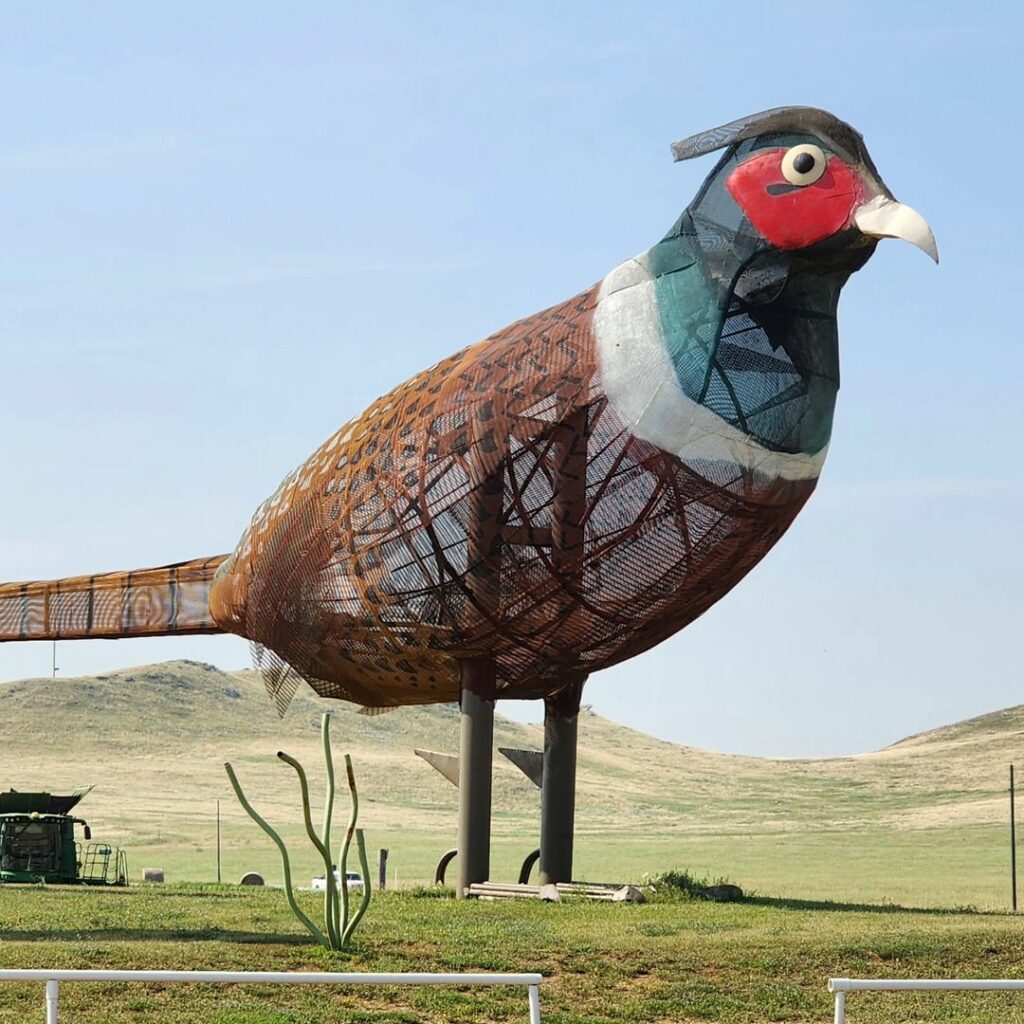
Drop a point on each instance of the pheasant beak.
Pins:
(883, 217)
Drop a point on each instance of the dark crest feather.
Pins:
(800, 120)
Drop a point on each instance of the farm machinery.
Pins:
(38, 844)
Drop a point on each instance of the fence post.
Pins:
(840, 1017)
(52, 992)
(534, 1004)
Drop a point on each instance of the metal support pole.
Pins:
(569, 492)
(840, 1017)
(558, 791)
(476, 741)
(561, 710)
(477, 683)
(52, 993)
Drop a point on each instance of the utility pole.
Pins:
(54, 659)
(1013, 847)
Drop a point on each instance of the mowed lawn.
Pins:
(667, 960)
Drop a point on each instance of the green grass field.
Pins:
(942, 868)
(767, 959)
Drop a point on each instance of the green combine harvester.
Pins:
(37, 843)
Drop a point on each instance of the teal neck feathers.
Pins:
(756, 343)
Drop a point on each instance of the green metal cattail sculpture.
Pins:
(338, 925)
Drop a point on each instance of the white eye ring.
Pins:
(797, 157)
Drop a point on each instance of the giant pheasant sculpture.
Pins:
(569, 491)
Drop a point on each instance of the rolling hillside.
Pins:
(154, 740)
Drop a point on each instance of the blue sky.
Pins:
(226, 229)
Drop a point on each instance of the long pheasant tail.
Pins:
(166, 601)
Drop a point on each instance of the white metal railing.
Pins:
(54, 978)
(840, 986)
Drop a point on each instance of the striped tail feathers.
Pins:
(166, 601)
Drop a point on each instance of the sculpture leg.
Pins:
(475, 755)
(558, 792)
(561, 710)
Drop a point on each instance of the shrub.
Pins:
(680, 884)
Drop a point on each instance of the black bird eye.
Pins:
(803, 165)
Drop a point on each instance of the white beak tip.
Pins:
(883, 217)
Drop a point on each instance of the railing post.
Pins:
(840, 1017)
(52, 993)
(530, 981)
(534, 1004)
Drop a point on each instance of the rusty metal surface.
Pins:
(171, 599)
(452, 519)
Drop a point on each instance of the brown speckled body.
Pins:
(493, 503)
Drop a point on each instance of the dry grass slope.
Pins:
(154, 740)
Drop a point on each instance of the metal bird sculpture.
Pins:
(569, 491)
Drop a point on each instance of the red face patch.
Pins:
(792, 217)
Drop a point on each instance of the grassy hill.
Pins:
(920, 821)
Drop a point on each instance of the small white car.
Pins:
(353, 879)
